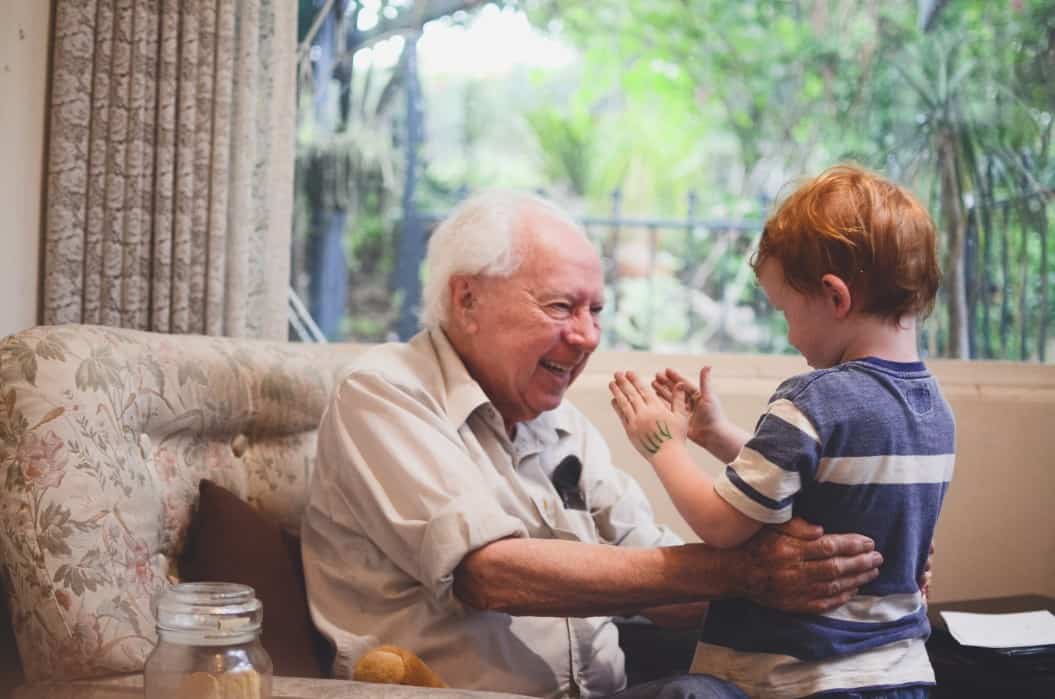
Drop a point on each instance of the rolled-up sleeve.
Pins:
(394, 470)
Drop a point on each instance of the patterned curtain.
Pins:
(170, 165)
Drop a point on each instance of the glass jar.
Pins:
(208, 644)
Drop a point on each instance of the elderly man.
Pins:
(461, 509)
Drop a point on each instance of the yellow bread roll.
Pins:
(394, 665)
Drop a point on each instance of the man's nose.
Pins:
(584, 331)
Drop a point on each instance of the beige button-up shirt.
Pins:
(415, 470)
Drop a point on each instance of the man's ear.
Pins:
(837, 295)
(464, 301)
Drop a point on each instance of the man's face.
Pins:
(533, 332)
(810, 329)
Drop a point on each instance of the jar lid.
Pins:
(205, 612)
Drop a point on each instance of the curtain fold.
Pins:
(169, 194)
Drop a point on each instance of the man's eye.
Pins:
(560, 307)
(596, 310)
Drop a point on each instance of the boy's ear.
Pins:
(837, 294)
(464, 300)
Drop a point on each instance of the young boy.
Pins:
(864, 443)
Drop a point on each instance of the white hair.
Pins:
(478, 238)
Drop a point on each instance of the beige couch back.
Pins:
(104, 436)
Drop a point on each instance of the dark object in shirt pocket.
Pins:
(566, 480)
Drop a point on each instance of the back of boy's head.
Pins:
(866, 230)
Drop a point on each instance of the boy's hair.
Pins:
(868, 231)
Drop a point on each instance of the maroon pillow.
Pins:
(230, 541)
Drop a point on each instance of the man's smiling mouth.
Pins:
(554, 367)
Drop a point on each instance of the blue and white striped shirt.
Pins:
(866, 447)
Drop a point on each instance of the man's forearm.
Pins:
(792, 568)
(535, 577)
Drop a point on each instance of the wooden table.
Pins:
(131, 687)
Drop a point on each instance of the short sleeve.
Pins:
(769, 471)
(393, 468)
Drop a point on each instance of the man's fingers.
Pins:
(827, 604)
(839, 545)
(825, 596)
(928, 575)
(840, 569)
(843, 584)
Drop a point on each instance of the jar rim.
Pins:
(222, 592)
(216, 610)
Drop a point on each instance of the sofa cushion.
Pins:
(230, 541)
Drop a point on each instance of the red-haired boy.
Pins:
(864, 443)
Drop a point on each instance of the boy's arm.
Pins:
(658, 431)
(713, 519)
(708, 425)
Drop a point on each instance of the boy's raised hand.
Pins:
(650, 422)
(706, 411)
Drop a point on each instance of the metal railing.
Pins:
(304, 327)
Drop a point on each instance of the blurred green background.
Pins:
(670, 127)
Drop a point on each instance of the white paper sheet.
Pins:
(1002, 630)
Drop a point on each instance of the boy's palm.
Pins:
(649, 421)
(705, 410)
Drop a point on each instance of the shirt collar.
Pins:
(464, 395)
(542, 432)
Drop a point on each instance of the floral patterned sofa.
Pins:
(104, 436)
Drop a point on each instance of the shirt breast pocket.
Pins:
(573, 525)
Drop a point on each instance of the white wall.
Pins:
(996, 535)
(24, 32)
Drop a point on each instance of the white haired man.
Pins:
(462, 509)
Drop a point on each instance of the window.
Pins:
(670, 128)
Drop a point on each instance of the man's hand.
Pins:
(795, 568)
(924, 582)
